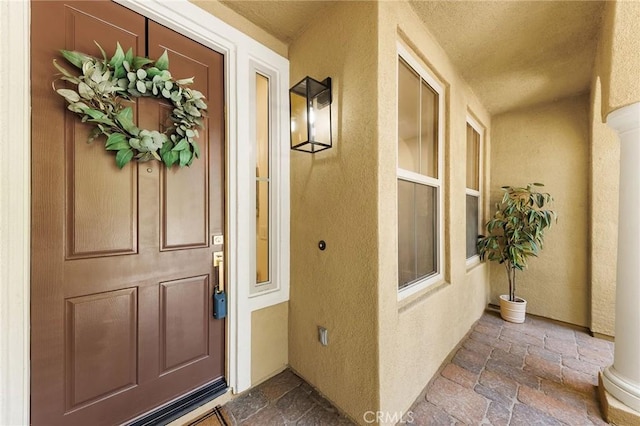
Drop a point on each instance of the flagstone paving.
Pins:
(540, 372)
(285, 399)
(537, 373)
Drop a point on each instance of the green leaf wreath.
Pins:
(105, 84)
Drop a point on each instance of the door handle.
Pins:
(218, 263)
(219, 297)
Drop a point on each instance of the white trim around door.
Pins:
(15, 160)
(239, 50)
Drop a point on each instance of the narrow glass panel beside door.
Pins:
(262, 179)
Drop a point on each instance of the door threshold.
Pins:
(183, 405)
(197, 414)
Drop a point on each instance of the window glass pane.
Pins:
(262, 178)
(417, 232)
(426, 230)
(408, 118)
(262, 232)
(262, 126)
(472, 225)
(473, 158)
(429, 137)
(406, 233)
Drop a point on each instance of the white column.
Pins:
(622, 379)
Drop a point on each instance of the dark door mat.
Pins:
(215, 417)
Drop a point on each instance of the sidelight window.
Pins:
(268, 229)
(263, 183)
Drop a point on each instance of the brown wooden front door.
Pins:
(122, 275)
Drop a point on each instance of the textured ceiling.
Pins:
(513, 54)
(284, 19)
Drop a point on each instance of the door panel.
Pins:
(93, 185)
(101, 353)
(186, 55)
(121, 259)
(185, 214)
(184, 204)
(184, 337)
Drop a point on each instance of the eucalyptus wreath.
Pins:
(105, 84)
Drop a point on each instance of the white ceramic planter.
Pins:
(512, 311)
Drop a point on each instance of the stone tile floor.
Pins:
(536, 373)
(539, 372)
(285, 399)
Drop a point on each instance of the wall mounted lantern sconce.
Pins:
(310, 103)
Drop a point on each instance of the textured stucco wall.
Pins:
(269, 341)
(605, 170)
(334, 198)
(620, 55)
(549, 144)
(232, 18)
(417, 334)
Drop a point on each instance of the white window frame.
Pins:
(439, 184)
(269, 284)
(270, 292)
(475, 259)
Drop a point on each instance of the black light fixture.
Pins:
(310, 107)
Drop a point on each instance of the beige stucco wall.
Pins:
(334, 198)
(620, 55)
(605, 169)
(347, 196)
(549, 144)
(241, 23)
(417, 334)
(269, 342)
(615, 84)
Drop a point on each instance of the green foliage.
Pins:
(517, 229)
(104, 84)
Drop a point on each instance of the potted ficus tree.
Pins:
(516, 232)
